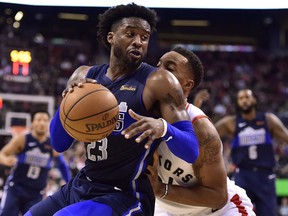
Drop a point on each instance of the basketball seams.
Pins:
(78, 101)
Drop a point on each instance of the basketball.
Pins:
(89, 113)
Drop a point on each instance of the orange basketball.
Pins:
(89, 113)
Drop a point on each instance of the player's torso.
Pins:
(116, 157)
(33, 165)
(252, 143)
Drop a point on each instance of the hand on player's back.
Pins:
(79, 84)
(147, 127)
(155, 181)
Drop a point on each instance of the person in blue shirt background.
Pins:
(30, 155)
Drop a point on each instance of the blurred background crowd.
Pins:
(238, 48)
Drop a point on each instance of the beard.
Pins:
(127, 62)
(247, 109)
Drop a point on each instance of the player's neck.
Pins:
(116, 72)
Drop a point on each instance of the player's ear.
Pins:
(189, 85)
(110, 37)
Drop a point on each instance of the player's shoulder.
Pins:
(194, 109)
(272, 119)
(163, 82)
(160, 74)
(194, 112)
(269, 115)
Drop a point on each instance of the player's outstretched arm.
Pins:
(226, 126)
(200, 97)
(163, 96)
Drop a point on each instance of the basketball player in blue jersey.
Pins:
(252, 133)
(30, 155)
(113, 180)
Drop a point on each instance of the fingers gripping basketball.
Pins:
(89, 113)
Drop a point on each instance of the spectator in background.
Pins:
(30, 155)
(251, 133)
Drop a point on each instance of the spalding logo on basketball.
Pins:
(89, 113)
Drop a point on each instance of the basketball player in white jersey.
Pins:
(201, 188)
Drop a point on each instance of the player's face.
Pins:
(40, 123)
(177, 65)
(129, 42)
(246, 101)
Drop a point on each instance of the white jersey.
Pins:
(174, 170)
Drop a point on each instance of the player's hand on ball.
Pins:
(147, 127)
(79, 84)
(89, 113)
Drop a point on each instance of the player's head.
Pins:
(40, 120)
(245, 101)
(126, 29)
(186, 67)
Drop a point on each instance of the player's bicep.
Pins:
(171, 99)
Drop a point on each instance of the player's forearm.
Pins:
(60, 139)
(197, 195)
(63, 167)
(182, 141)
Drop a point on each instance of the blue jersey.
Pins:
(114, 169)
(115, 158)
(252, 143)
(31, 172)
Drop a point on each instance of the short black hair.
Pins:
(196, 65)
(39, 111)
(116, 13)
